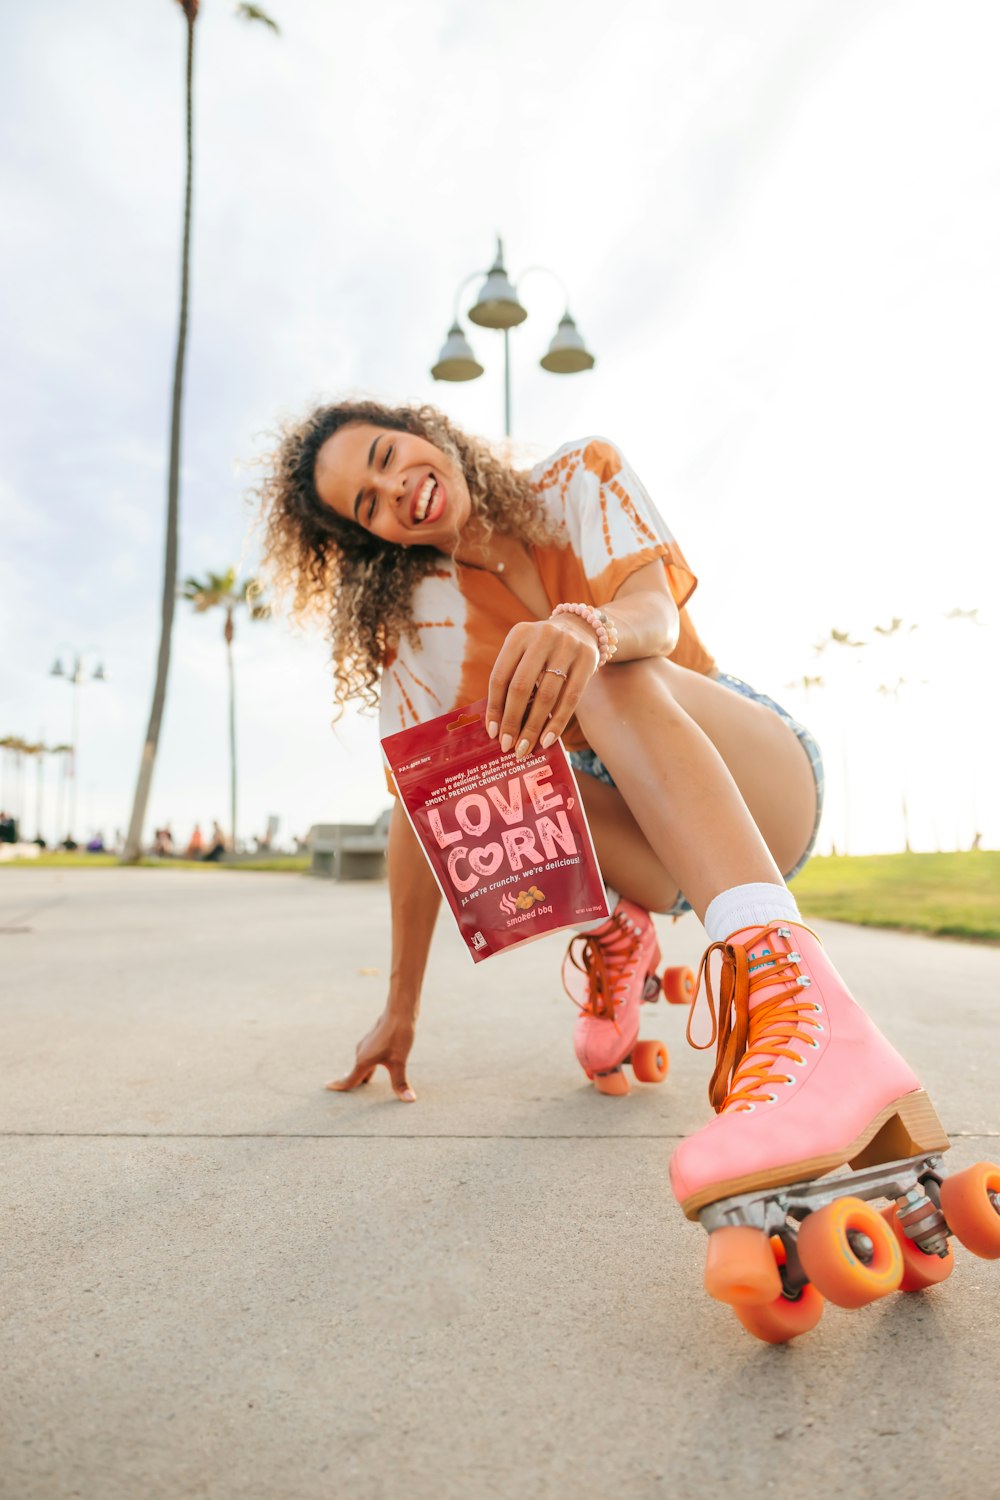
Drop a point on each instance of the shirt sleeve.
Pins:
(421, 679)
(612, 524)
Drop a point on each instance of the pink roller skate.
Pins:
(805, 1085)
(609, 973)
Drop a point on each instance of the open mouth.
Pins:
(428, 503)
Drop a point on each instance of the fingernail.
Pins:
(523, 746)
(506, 742)
(491, 729)
(547, 739)
(409, 1096)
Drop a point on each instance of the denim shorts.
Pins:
(588, 762)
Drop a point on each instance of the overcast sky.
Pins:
(779, 227)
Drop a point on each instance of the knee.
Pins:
(628, 688)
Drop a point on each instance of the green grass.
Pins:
(948, 895)
(55, 860)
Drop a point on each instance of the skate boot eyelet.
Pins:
(773, 1098)
(788, 1080)
(813, 1044)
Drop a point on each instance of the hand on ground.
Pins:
(387, 1045)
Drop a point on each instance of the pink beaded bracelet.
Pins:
(606, 632)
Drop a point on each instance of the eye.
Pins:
(390, 450)
(371, 507)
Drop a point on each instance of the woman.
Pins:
(559, 595)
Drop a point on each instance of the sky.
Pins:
(778, 227)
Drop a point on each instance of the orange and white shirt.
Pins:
(607, 527)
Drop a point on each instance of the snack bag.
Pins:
(507, 839)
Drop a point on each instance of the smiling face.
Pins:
(397, 486)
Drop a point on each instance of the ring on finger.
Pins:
(556, 672)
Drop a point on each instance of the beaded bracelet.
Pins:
(603, 628)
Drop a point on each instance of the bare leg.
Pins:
(717, 787)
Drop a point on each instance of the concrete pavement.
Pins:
(222, 1281)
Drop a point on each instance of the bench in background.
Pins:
(350, 851)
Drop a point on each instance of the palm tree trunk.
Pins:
(232, 731)
(40, 755)
(133, 841)
(61, 800)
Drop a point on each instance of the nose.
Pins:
(394, 489)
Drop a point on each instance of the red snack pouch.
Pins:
(507, 839)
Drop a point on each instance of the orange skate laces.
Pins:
(751, 1042)
(605, 959)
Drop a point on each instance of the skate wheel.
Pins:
(783, 1319)
(920, 1270)
(740, 1267)
(969, 1201)
(650, 1062)
(611, 1083)
(849, 1253)
(678, 986)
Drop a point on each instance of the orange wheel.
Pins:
(740, 1267)
(783, 1319)
(970, 1201)
(920, 1270)
(849, 1253)
(678, 986)
(650, 1062)
(611, 1083)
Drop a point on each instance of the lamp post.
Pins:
(76, 679)
(498, 306)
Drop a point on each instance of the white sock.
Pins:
(749, 906)
(613, 899)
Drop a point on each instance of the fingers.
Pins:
(397, 1077)
(544, 724)
(358, 1075)
(537, 682)
(504, 694)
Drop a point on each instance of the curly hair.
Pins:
(320, 564)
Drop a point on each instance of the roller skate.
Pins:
(610, 973)
(818, 1117)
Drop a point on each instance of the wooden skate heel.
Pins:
(907, 1127)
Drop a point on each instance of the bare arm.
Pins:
(414, 900)
(648, 620)
(545, 665)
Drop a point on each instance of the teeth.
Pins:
(424, 498)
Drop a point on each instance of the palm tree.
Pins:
(221, 591)
(843, 639)
(65, 754)
(891, 691)
(806, 683)
(133, 840)
(36, 751)
(17, 748)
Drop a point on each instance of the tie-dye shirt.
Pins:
(611, 528)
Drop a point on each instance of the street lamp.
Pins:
(498, 306)
(76, 679)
